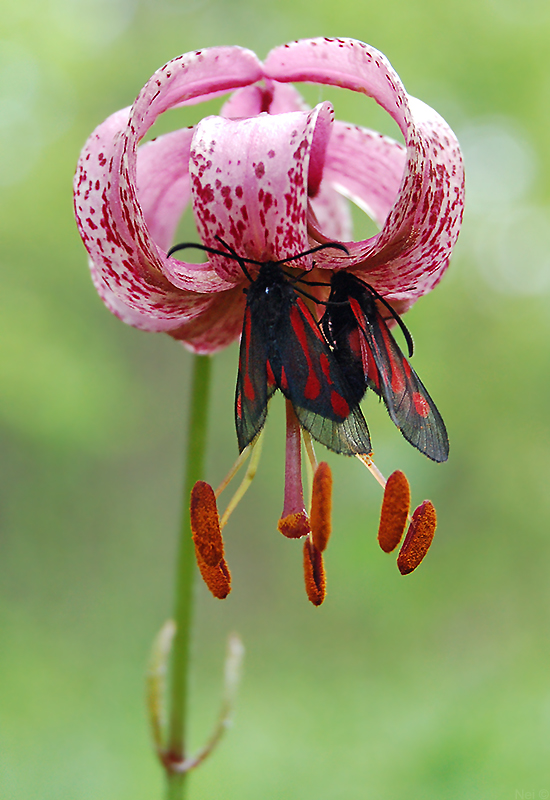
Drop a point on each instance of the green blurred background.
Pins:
(432, 686)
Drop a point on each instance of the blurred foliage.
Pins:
(430, 686)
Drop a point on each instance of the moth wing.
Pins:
(253, 390)
(312, 380)
(409, 405)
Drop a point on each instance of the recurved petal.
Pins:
(276, 98)
(256, 199)
(127, 281)
(219, 324)
(412, 250)
(163, 183)
(129, 267)
(367, 167)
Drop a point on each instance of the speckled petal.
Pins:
(255, 197)
(220, 325)
(138, 294)
(129, 267)
(409, 255)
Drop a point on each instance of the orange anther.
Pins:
(205, 527)
(205, 524)
(314, 573)
(395, 510)
(218, 578)
(418, 539)
(321, 506)
(294, 526)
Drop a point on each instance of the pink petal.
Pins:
(330, 213)
(255, 198)
(193, 78)
(163, 184)
(277, 98)
(129, 267)
(407, 258)
(131, 288)
(367, 166)
(219, 325)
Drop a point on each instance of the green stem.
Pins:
(178, 694)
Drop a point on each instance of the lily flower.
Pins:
(269, 177)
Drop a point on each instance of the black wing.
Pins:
(253, 389)
(312, 380)
(391, 376)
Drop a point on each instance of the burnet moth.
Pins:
(369, 356)
(282, 347)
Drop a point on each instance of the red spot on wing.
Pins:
(397, 381)
(325, 366)
(340, 405)
(312, 388)
(369, 362)
(312, 324)
(354, 341)
(270, 376)
(420, 404)
(249, 392)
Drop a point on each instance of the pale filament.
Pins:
(256, 449)
(373, 469)
(311, 461)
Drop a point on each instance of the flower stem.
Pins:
(178, 693)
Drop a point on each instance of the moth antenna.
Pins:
(231, 254)
(333, 245)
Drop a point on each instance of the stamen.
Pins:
(205, 524)
(321, 506)
(314, 573)
(294, 522)
(256, 448)
(310, 452)
(373, 469)
(311, 461)
(395, 511)
(205, 527)
(218, 578)
(234, 469)
(418, 539)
